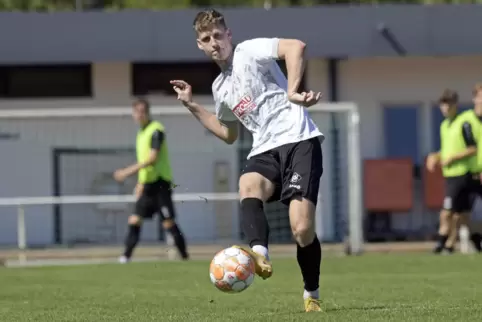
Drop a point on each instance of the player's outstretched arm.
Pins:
(226, 132)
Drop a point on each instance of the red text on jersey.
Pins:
(244, 106)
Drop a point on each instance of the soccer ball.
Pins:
(232, 270)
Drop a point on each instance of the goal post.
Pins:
(69, 155)
(349, 171)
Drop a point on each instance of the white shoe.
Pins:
(124, 260)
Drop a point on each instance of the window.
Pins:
(42, 81)
(401, 127)
(148, 78)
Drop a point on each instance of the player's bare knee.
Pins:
(168, 223)
(303, 233)
(302, 213)
(254, 185)
(134, 220)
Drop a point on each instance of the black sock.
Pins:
(309, 260)
(132, 239)
(179, 241)
(254, 222)
(476, 239)
(442, 239)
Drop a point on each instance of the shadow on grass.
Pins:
(360, 308)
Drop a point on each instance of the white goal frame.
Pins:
(354, 184)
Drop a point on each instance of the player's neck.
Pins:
(145, 124)
(478, 110)
(225, 64)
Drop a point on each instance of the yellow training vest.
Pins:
(452, 142)
(477, 131)
(161, 169)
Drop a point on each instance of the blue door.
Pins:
(401, 132)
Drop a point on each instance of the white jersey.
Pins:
(253, 91)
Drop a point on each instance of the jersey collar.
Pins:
(144, 127)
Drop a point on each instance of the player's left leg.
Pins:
(168, 217)
(303, 169)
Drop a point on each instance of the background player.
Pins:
(285, 162)
(456, 156)
(154, 186)
(475, 236)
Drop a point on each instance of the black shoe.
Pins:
(438, 249)
(449, 250)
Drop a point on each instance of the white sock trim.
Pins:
(258, 249)
(313, 294)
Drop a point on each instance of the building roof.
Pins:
(330, 31)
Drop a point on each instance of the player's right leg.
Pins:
(452, 188)
(257, 184)
(142, 209)
(132, 238)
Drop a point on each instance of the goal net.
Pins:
(58, 187)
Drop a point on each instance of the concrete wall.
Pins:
(371, 83)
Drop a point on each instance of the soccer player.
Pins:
(154, 186)
(457, 153)
(285, 162)
(475, 236)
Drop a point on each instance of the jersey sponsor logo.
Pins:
(245, 105)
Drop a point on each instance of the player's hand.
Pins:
(183, 90)
(305, 99)
(120, 175)
(432, 162)
(446, 162)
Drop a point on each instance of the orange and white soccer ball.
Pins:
(232, 270)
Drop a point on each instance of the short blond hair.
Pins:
(208, 19)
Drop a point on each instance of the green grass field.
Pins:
(367, 288)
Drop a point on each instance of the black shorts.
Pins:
(476, 186)
(458, 193)
(156, 197)
(295, 169)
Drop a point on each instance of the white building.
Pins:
(396, 98)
